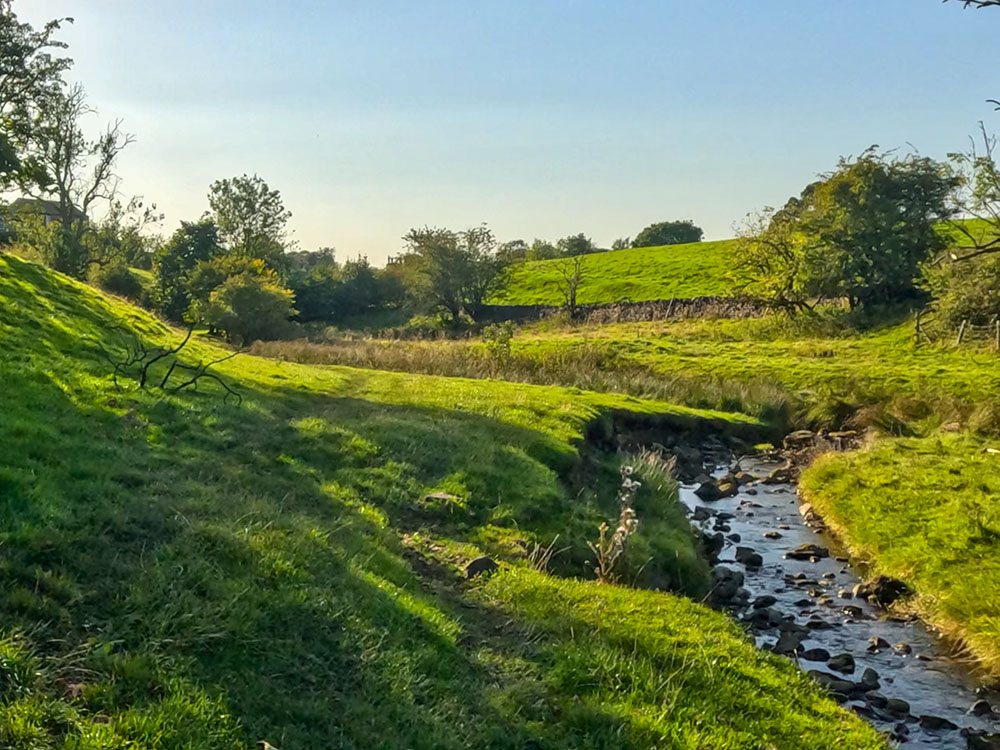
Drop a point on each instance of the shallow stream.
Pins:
(920, 671)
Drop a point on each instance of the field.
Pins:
(184, 571)
(927, 511)
(635, 275)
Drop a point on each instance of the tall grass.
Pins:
(588, 367)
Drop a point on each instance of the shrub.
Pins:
(119, 279)
(248, 307)
(966, 290)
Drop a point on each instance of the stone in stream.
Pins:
(852, 611)
(869, 679)
(876, 698)
(751, 491)
(845, 594)
(724, 516)
(818, 624)
(936, 723)
(903, 649)
(830, 576)
(772, 535)
(842, 663)
(803, 603)
(749, 557)
(701, 513)
(788, 643)
(712, 544)
(883, 590)
(727, 583)
(876, 644)
(815, 654)
(734, 538)
(838, 687)
(897, 706)
(766, 600)
(784, 526)
(808, 552)
(981, 708)
(982, 741)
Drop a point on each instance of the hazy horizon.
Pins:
(541, 119)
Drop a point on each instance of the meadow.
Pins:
(191, 571)
(634, 275)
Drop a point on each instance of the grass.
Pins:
(926, 511)
(821, 371)
(179, 572)
(634, 275)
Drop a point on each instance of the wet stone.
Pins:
(876, 644)
(735, 538)
(869, 679)
(981, 708)
(842, 663)
(815, 654)
(876, 698)
(936, 723)
(903, 649)
(772, 535)
(897, 706)
(749, 557)
(764, 601)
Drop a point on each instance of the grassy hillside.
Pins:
(642, 273)
(179, 571)
(926, 511)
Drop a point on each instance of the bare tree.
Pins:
(979, 3)
(978, 198)
(74, 172)
(570, 277)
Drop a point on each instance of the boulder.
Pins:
(808, 552)
(981, 708)
(876, 698)
(799, 439)
(883, 590)
(727, 583)
(788, 643)
(876, 644)
(782, 475)
(735, 538)
(869, 679)
(936, 723)
(748, 557)
(815, 654)
(897, 706)
(712, 544)
(842, 663)
(851, 611)
(481, 566)
(766, 600)
(840, 688)
(982, 741)
(701, 513)
(903, 649)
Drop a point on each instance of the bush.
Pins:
(119, 279)
(966, 290)
(248, 307)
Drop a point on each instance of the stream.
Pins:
(923, 697)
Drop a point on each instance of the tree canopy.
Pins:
(251, 217)
(668, 233)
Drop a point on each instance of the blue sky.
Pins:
(541, 118)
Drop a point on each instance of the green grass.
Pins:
(643, 273)
(926, 511)
(182, 572)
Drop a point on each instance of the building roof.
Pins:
(43, 207)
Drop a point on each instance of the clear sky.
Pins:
(540, 117)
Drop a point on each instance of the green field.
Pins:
(634, 275)
(183, 572)
(927, 511)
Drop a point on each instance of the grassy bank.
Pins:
(823, 371)
(926, 511)
(642, 273)
(182, 571)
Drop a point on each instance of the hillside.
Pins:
(637, 274)
(184, 571)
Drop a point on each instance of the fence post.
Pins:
(961, 332)
(996, 334)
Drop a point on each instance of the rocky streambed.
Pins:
(778, 572)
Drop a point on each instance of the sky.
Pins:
(541, 118)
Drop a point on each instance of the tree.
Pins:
(251, 217)
(541, 250)
(513, 251)
(570, 277)
(870, 225)
(668, 233)
(576, 244)
(190, 245)
(622, 243)
(29, 73)
(860, 234)
(978, 197)
(250, 307)
(120, 238)
(457, 269)
(78, 173)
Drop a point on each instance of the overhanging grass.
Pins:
(926, 511)
(642, 273)
(181, 572)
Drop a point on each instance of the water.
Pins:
(928, 678)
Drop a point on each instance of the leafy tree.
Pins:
(118, 278)
(541, 250)
(668, 233)
(251, 217)
(861, 234)
(622, 243)
(190, 245)
(513, 251)
(872, 223)
(457, 270)
(978, 197)
(570, 277)
(29, 73)
(121, 237)
(78, 172)
(576, 244)
(967, 291)
(307, 260)
(249, 307)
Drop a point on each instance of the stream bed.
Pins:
(906, 684)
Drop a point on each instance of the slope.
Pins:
(183, 571)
